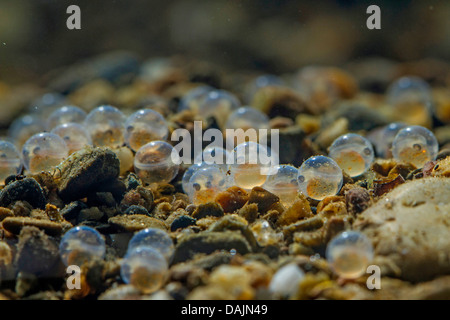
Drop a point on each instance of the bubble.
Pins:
(383, 140)
(349, 254)
(194, 98)
(105, 125)
(251, 164)
(353, 153)
(154, 238)
(43, 152)
(283, 183)
(205, 183)
(154, 162)
(320, 177)
(24, 127)
(144, 126)
(412, 100)
(144, 268)
(81, 244)
(247, 118)
(416, 145)
(10, 161)
(74, 135)
(65, 114)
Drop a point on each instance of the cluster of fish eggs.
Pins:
(144, 265)
(69, 129)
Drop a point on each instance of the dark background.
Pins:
(269, 35)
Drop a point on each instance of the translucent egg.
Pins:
(10, 161)
(261, 82)
(156, 162)
(144, 126)
(247, 118)
(206, 183)
(416, 145)
(105, 125)
(218, 104)
(194, 98)
(214, 155)
(251, 164)
(144, 268)
(188, 174)
(46, 104)
(283, 183)
(43, 152)
(316, 85)
(74, 135)
(412, 100)
(320, 177)
(384, 139)
(349, 254)
(81, 244)
(353, 153)
(24, 127)
(65, 114)
(154, 238)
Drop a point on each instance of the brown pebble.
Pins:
(383, 166)
(86, 170)
(139, 197)
(208, 209)
(280, 101)
(303, 225)
(36, 252)
(136, 222)
(15, 225)
(232, 199)
(300, 209)
(249, 212)
(442, 168)
(5, 212)
(380, 187)
(263, 198)
(357, 200)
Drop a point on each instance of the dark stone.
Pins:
(208, 209)
(27, 190)
(136, 209)
(182, 222)
(85, 171)
(37, 253)
(209, 242)
(72, 210)
(132, 182)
